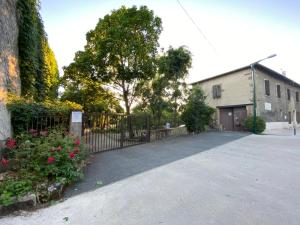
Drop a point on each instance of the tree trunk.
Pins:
(127, 108)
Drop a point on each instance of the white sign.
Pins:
(76, 117)
(268, 106)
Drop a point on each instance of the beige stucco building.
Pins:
(231, 93)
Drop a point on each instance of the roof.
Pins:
(260, 67)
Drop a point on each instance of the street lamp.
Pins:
(252, 65)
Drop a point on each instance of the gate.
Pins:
(103, 132)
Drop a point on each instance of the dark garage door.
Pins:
(232, 118)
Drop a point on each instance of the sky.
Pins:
(232, 33)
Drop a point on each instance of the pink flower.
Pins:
(4, 162)
(52, 149)
(44, 133)
(77, 141)
(59, 148)
(50, 160)
(33, 132)
(72, 155)
(10, 143)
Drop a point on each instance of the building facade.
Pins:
(231, 93)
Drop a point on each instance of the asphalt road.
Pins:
(246, 180)
(111, 166)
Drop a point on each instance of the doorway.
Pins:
(232, 118)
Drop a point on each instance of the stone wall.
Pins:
(278, 107)
(9, 68)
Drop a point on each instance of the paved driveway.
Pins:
(248, 180)
(115, 165)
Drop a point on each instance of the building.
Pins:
(231, 93)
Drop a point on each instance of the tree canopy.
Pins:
(167, 90)
(120, 52)
(92, 96)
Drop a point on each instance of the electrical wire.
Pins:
(197, 27)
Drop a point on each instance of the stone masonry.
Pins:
(9, 68)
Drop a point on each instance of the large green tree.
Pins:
(92, 96)
(167, 90)
(120, 52)
(174, 66)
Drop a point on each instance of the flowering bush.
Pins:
(42, 158)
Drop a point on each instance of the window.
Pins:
(298, 117)
(217, 91)
(267, 87)
(297, 96)
(278, 91)
(288, 94)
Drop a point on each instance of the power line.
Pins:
(197, 27)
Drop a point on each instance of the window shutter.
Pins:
(278, 91)
(267, 87)
(216, 89)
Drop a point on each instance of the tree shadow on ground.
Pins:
(111, 166)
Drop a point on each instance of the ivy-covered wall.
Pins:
(27, 64)
(38, 67)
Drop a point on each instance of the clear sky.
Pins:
(241, 32)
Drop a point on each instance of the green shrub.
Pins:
(39, 159)
(260, 124)
(24, 111)
(13, 188)
(196, 113)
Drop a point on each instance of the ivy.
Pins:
(38, 67)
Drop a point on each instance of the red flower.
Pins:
(4, 162)
(10, 143)
(59, 148)
(77, 141)
(72, 155)
(76, 150)
(51, 160)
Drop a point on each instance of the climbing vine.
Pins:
(38, 67)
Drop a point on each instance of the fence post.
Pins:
(76, 123)
(122, 131)
(148, 128)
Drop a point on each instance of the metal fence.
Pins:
(47, 122)
(111, 131)
(102, 132)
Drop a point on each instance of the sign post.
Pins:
(76, 123)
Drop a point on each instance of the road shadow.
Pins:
(111, 166)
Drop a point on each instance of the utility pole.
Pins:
(252, 66)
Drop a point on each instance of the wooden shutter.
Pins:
(216, 89)
(278, 91)
(219, 91)
(267, 87)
